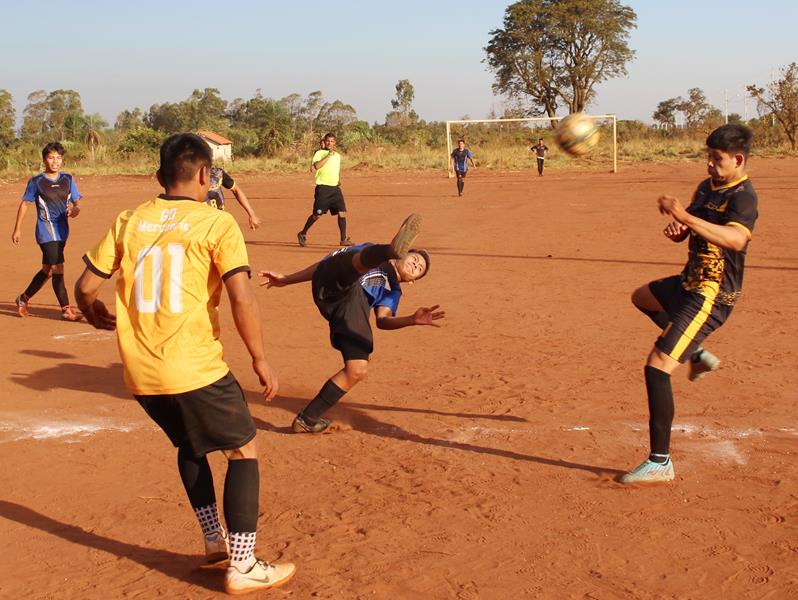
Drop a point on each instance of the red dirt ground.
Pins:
(479, 459)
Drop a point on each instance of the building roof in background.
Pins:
(214, 137)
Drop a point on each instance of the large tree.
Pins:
(403, 113)
(54, 116)
(780, 99)
(666, 111)
(553, 52)
(7, 119)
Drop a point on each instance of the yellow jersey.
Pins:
(172, 255)
(330, 173)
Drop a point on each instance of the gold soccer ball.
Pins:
(577, 134)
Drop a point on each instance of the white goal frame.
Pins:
(450, 147)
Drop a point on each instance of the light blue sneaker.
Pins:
(701, 363)
(650, 472)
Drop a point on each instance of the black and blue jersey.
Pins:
(380, 284)
(51, 196)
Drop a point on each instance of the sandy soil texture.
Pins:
(478, 461)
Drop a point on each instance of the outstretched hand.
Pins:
(428, 315)
(272, 279)
(98, 316)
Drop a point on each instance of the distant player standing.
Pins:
(327, 195)
(689, 306)
(173, 255)
(215, 198)
(56, 197)
(540, 153)
(346, 286)
(460, 158)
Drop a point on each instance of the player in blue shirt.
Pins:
(56, 197)
(460, 158)
(346, 285)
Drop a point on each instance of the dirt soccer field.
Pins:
(478, 461)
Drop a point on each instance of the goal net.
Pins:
(506, 144)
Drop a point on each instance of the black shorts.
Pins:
(52, 253)
(328, 197)
(345, 308)
(214, 417)
(460, 174)
(693, 316)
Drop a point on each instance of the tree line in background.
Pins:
(549, 55)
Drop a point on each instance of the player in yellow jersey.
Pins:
(172, 255)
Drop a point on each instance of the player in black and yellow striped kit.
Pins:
(173, 254)
(688, 307)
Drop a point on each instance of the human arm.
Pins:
(241, 197)
(73, 209)
(422, 316)
(729, 237)
(16, 235)
(87, 288)
(247, 319)
(275, 279)
(321, 162)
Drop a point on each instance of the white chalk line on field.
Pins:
(89, 335)
(14, 428)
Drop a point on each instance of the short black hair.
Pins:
(182, 155)
(328, 136)
(731, 138)
(53, 147)
(461, 140)
(425, 255)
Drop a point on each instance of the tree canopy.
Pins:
(554, 52)
(780, 98)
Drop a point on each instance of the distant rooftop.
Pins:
(214, 137)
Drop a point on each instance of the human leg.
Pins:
(310, 419)
(460, 182)
(540, 166)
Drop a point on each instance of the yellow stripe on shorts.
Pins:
(709, 291)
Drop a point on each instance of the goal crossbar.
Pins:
(613, 118)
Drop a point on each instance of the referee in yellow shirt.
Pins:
(327, 196)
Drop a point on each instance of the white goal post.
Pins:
(449, 124)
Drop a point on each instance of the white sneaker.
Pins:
(261, 576)
(217, 547)
(650, 472)
(706, 363)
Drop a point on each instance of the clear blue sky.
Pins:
(123, 55)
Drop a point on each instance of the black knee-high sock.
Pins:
(342, 227)
(460, 185)
(197, 478)
(660, 410)
(60, 290)
(241, 491)
(328, 396)
(36, 284)
(660, 318)
(309, 223)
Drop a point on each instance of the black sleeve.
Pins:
(227, 181)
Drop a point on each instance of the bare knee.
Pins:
(356, 371)
(58, 269)
(48, 270)
(248, 450)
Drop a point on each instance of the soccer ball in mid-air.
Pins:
(577, 134)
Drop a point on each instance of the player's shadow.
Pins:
(74, 376)
(360, 421)
(177, 566)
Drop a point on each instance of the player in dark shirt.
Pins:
(215, 198)
(540, 152)
(688, 307)
(346, 286)
(56, 197)
(460, 158)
